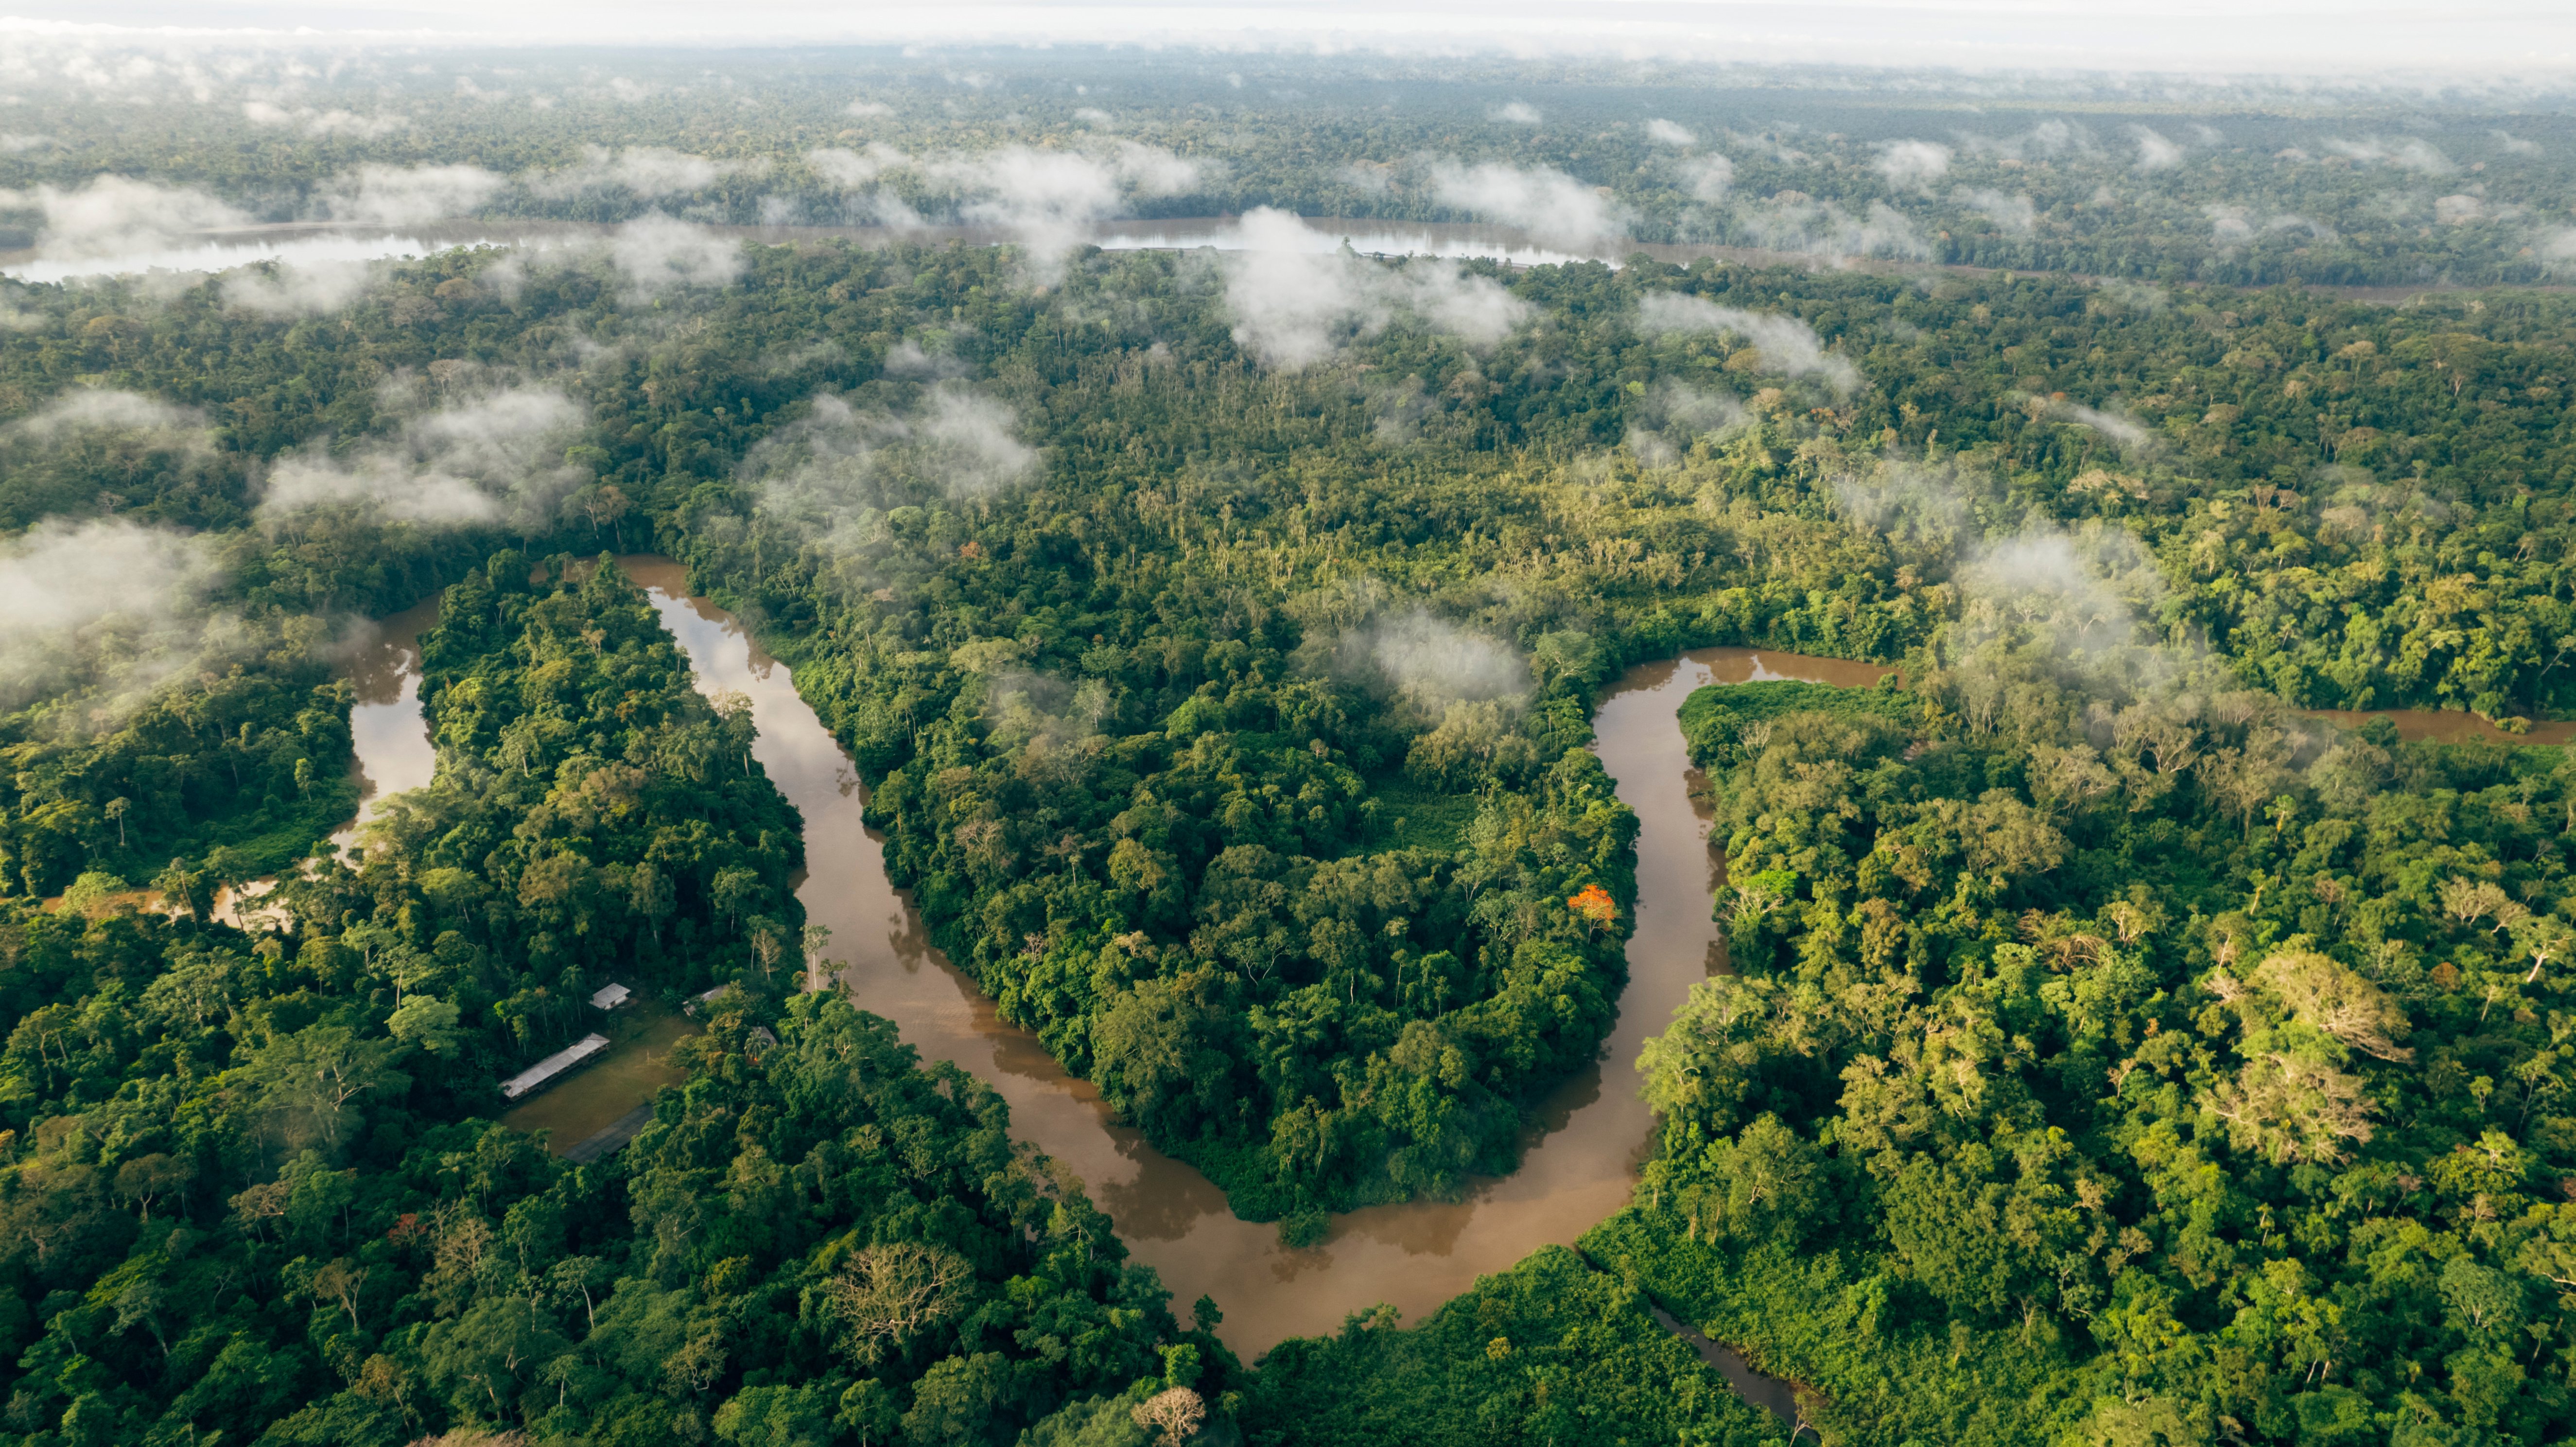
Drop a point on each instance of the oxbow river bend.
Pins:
(1582, 1151)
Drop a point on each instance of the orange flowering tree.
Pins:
(1594, 906)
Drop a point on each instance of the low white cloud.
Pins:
(1514, 113)
(2048, 139)
(2513, 145)
(1707, 178)
(2084, 595)
(1695, 410)
(657, 253)
(1369, 178)
(882, 207)
(1154, 171)
(1919, 506)
(2010, 212)
(1674, 414)
(1914, 165)
(2409, 153)
(2129, 434)
(1670, 133)
(117, 214)
(2558, 250)
(1785, 343)
(907, 359)
(2135, 296)
(1049, 200)
(1474, 309)
(1433, 663)
(2458, 210)
(79, 450)
(2156, 151)
(649, 172)
(2231, 224)
(494, 458)
(325, 123)
(105, 610)
(84, 410)
(1295, 304)
(297, 288)
(1553, 207)
(865, 108)
(834, 473)
(409, 195)
(854, 170)
(1795, 221)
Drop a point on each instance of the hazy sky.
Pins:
(2511, 37)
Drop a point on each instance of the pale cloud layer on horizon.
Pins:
(2302, 36)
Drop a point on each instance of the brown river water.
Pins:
(1582, 1152)
(1582, 1149)
(391, 744)
(393, 747)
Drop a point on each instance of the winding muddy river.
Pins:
(1582, 1149)
(1582, 1153)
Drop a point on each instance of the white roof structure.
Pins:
(609, 997)
(543, 1073)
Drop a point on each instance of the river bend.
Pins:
(1581, 1152)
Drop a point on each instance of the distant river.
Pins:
(324, 244)
(310, 244)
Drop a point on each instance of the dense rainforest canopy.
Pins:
(2170, 1070)
(2113, 1053)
